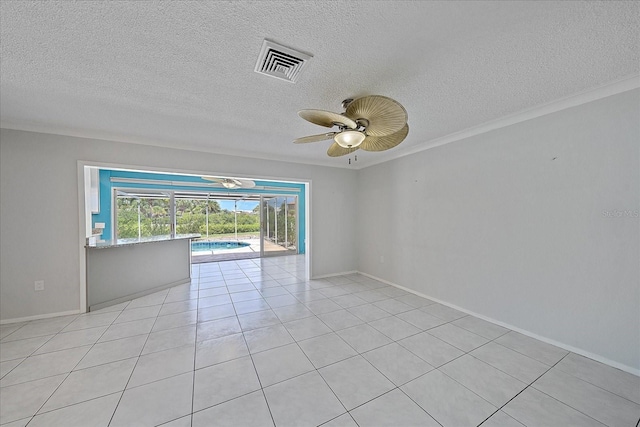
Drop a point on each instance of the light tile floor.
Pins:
(251, 343)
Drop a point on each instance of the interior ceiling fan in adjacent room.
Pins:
(231, 183)
(373, 123)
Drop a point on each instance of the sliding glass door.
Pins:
(264, 225)
(279, 225)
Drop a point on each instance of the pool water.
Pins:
(217, 245)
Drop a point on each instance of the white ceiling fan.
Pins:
(231, 183)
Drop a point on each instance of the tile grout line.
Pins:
(530, 385)
(437, 368)
(316, 369)
(396, 387)
(595, 385)
(92, 346)
(70, 372)
(134, 366)
(290, 288)
(253, 364)
(294, 341)
(195, 352)
(363, 358)
(64, 349)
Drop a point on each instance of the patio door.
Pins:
(279, 230)
(143, 213)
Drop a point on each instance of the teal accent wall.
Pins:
(105, 205)
(173, 183)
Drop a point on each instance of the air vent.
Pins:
(281, 62)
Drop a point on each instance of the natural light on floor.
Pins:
(250, 343)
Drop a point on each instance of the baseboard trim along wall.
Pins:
(38, 317)
(137, 295)
(344, 273)
(572, 349)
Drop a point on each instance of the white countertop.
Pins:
(135, 241)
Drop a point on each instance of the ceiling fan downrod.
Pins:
(346, 103)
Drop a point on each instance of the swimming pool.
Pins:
(217, 245)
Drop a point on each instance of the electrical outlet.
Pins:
(39, 285)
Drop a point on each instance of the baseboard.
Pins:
(38, 317)
(96, 307)
(140, 294)
(344, 273)
(564, 346)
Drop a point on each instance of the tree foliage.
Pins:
(191, 217)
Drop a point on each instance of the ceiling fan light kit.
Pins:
(372, 123)
(349, 138)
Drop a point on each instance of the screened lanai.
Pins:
(231, 225)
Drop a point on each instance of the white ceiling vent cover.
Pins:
(281, 62)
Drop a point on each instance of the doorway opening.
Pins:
(154, 203)
(238, 226)
(261, 221)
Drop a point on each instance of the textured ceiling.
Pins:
(180, 74)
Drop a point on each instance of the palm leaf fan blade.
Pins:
(336, 151)
(385, 116)
(327, 118)
(314, 138)
(382, 143)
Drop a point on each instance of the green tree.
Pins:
(155, 218)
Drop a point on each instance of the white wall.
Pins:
(494, 225)
(491, 223)
(39, 210)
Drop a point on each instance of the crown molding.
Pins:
(624, 84)
(102, 136)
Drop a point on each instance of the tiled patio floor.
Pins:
(249, 252)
